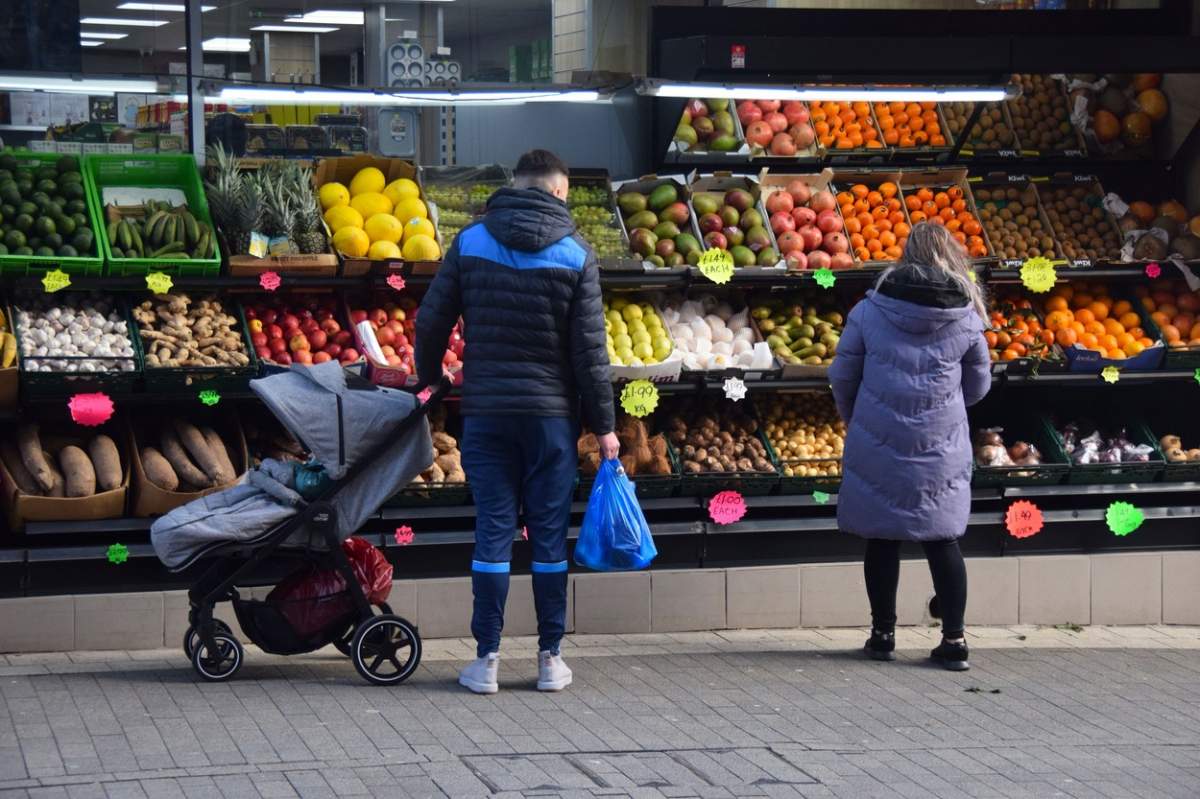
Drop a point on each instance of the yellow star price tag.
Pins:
(716, 265)
(1110, 374)
(56, 280)
(1038, 274)
(639, 398)
(159, 282)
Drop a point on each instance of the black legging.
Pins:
(881, 565)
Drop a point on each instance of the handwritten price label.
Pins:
(1023, 519)
(1110, 374)
(735, 388)
(716, 265)
(159, 282)
(404, 535)
(1038, 274)
(639, 398)
(269, 280)
(825, 277)
(91, 410)
(1123, 518)
(396, 282)
(726, 507)
(55, 280)
(820, 497)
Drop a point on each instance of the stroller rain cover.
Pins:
(339, 420)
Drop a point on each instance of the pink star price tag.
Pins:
(404, 535)
(396, 282)
(1153, 270)
(269, 280)
(1023, 519)
(91, 410)
(726, 507)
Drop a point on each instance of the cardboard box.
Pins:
(939, 180)
(22, 508)
(150, 500)
(722, 182)
(644, 185)
(1001, 181)
(846, 179)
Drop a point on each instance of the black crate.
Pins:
(182, 379)
(1032, 429)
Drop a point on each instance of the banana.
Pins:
(3, 322)
(173, 247)
(124, 235)
(156, 234)
(112, 233)
(117, 252)
(151, 221)
(192, 227)
(169, 230)
(201, 250)
(8, 349)
(137, 241)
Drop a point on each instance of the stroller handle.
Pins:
(439, 392)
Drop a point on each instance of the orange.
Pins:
(1121, 307)
(888, 189)
(1095, 327)
(1066, 337)
(1085, 315)
(1089, 340)
(1056, 304)
(1109, 341)
(1169, 333)
(1099, 309)
(1115, 354)
(1128, 319)
(1113, 327)
(1133, 348)
(1057, 320)
(1081, 300)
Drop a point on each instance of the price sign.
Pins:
(716, 265)
(396, 282)
(735, 388)
(1153, 270)
(726, 507)
(1123, 518)
(1038, 274)
(269, 280)
(55, 280)
(404, 535)
(820, 497)
(91, 410)
(1196, 375)
(639, 398)
(159, 282)
(1110, 374)
(825, 277)
(118, 554)
(209, 397)
(1023, 519)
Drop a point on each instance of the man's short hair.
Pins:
(537, 165)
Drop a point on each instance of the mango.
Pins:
(662, 196)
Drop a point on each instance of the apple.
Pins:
(310, 325)
(799, 190)
(393, 360)
(263, 352)
(804, 216)
(829, 221)
(385, 336)
(321, 357)
(251, 313)
(715, 239)
(783, 145)
(322, 314)
(835, 243)
(812, 237)
(269, 316)
(349, 355)
(796, 260)
(304, 313)
(277, 346)
(334, 350)
(317, 339)
(769, 105)
(760, 133)
(781, 221)
(387, 350)
(258, 339)
(283, 359)
(378, 317)
(342, 337)
(822, 201)
(298, 342)
(802, 134)
(796, 112)
(791, 241)
(841, 260)
(330, 325)
(397, 314)
(779, 201)
(396, 327)
(819, 259)
(357, 316)
(289, 320)
(303, 356)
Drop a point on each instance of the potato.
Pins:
(30, 446)
(202, 454)
(220, 451)
(58, 484)
(185, 470)
(16, 469)
(78, 472)
(107, 462)
(157, 470)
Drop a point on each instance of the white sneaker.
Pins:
(480, 675)
(553, 674)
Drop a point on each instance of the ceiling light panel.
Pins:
(89, 43)
(328, 18)
(221, 44)
(122, 22)
(102, 35)
(164, 7)
(292, 29)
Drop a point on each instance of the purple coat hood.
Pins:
(903, 378)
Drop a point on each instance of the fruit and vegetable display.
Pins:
(732, 221)
(1014, 222)
(991, 450)
(375, 219)
(447, 460)
(1040, 115)
(875, 221)
(1079, 221)
(73, 333)
(707, 125)
(1176, 313)
(43, 209)
(8, 344)
(1014, 331)
(395, 326)
(466, 198)
(950, 207)
(711, 438)
(797, 330)
(1086, 444)
(1156, 231)
(806, 433)
(1175, 451)
(1086, 315)
(844, 126)
(187, 457)
(591, 210)
(1119, 111)
(641, 453)
(176, 331)
(992, 131)
(450, 222)
(636, 335)
(908, 125)
(659, 225)
(158, 229)
(710, 335)
(300, 328)
(808, 229)
(67, 465)
(775, 128)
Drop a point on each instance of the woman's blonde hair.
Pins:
(931, 247)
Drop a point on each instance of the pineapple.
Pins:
(234, 200)
(278, 221)
(310, 228)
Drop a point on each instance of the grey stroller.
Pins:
(369, 443)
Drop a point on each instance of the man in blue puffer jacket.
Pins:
(528, 291)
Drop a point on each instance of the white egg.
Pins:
(702, 346)
(723, 347)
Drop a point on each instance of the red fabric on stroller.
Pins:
(313, 600)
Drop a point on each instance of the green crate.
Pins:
(649, 486)
(1051, 471)
(161, 171)
(182, 379)
(92, 266)
(748, 484)
(1106, 473)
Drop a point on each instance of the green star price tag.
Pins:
(118, 554)
(209, 397)
(1123, 518)
(159, 282)
(639, 398)
(716, 265)
(1038, 274)
(825, 277)
(1110, 374)
(820, 497)
(56, 280)
(1196, 375)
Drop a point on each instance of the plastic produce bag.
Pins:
(313, 600)
(615, 536)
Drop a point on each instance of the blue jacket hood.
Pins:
(914, 318)
(527, 219)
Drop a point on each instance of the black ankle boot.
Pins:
(881, 645)
(951, 656)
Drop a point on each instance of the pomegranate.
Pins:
(796, 260)
(829, 221)
(812, 237)
(819, 259)
(759, 133)
(795, 111)
(822, 201)
(799, 190)
(791, 241)
(769, 105)
(779, 201)
(748, 112)
(834, 243)
(802, 133)
(781, 221)
(783, 145)
(841, 260)
(804, 216)
(776, 120)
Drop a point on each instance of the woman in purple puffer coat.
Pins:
(910, 361)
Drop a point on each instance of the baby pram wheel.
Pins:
(191, 636)
(386, 650)
(221, 663)
(344, 643)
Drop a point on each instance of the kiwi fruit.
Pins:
(1080, 223)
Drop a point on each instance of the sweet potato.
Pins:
(16, 469)
(30, 446)
(157, 470)
(107, 462)
(202, 455)
(78, 470)
(186, 471)
(220, 451)
(58, 485)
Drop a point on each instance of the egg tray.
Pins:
(1187, 427)
(1051, 471)
(1110, 473)
(649, 486)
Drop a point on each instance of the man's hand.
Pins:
(610, 447)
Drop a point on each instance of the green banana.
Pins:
(137, 240)
(112, 232)
(201, 250)
(169, 231)
(191, 226)
(151, 221)
(173, 247)
(124, 235)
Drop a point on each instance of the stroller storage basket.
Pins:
(269, 624)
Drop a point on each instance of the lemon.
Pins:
(421, 248)
(419, 227)
(400, 188)
(408, 207)
(340, 216)
(368, 180)
(351, 241)
(643, 351)
(384, 227)
(370, 203)
(382, 250)
(640, 337)
(333, 194)
(618, 303)
(622, 341)
(631, 312)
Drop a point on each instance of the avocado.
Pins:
(44, 226)
(68, 163)
(67, 251)
(662, 196)
(44, 252)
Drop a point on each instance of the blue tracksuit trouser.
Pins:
(520, 464)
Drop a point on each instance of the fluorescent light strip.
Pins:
(292, 29)
(102, 35)
(249, 95)
(328, 17)
(222, 44)
(89, 43)
(167, 7)
(826, 93)
(122, 22)
(82, 86)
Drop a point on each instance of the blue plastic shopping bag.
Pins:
(615, 536)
